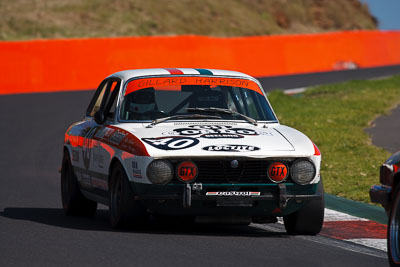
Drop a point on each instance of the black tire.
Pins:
(393, 230)
(73, 201)
(125, 211)
(309, 219)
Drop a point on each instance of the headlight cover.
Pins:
(303, 171)
(160, 171)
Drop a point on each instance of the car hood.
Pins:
(220, 140)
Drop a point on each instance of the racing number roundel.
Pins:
(187, 171)
(277, 172)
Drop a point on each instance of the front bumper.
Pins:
(380, 194)
(192, 199)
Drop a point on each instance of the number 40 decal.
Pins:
(171, 143)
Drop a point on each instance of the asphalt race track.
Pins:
(385, 131)
(317, 78)
(34, 231)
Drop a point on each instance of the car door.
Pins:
(96, 154)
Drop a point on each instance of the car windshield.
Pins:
(156, 98)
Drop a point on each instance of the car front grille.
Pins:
(220, 171)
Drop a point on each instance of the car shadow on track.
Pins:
(56, 217)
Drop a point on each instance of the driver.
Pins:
(140, 102)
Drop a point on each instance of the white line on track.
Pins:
(380, 244)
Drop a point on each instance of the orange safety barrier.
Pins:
(79, 64)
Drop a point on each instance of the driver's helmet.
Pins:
(142, 100)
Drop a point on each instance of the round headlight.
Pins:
(160, 172)
(303, 171)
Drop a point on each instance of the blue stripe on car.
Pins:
(204, 72)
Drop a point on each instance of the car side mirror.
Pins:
(99, 117)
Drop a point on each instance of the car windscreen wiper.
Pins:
(182, 117)
(223, 110)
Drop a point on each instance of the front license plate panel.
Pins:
(233, 193)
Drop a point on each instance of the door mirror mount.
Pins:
(99, 117)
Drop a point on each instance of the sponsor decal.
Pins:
(210, 126)
(206, 123)
(186, 171)
(104, 131)
(265, 133)
(127, 144)
(213, 129)
(117, 137)
(231, 148)
(216, 131)
(174, 83)
(99, 183)
(218, 136)
(171, 143)
(277, 171)
(136, 173)
(233, 193)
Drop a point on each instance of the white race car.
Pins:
(192, 143)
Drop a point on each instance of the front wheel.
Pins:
(125, 211)
(73, 201)
(309, 219)
(393, 232)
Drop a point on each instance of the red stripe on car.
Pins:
(130, 143)
(174, 71)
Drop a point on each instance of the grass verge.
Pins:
(23, 19)
(334, 117)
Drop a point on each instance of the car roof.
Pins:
(128, 74)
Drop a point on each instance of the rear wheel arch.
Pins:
(66, 149)
(73, 201)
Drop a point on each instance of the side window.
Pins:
(111, 103)
(95, 104)
(235, 101)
